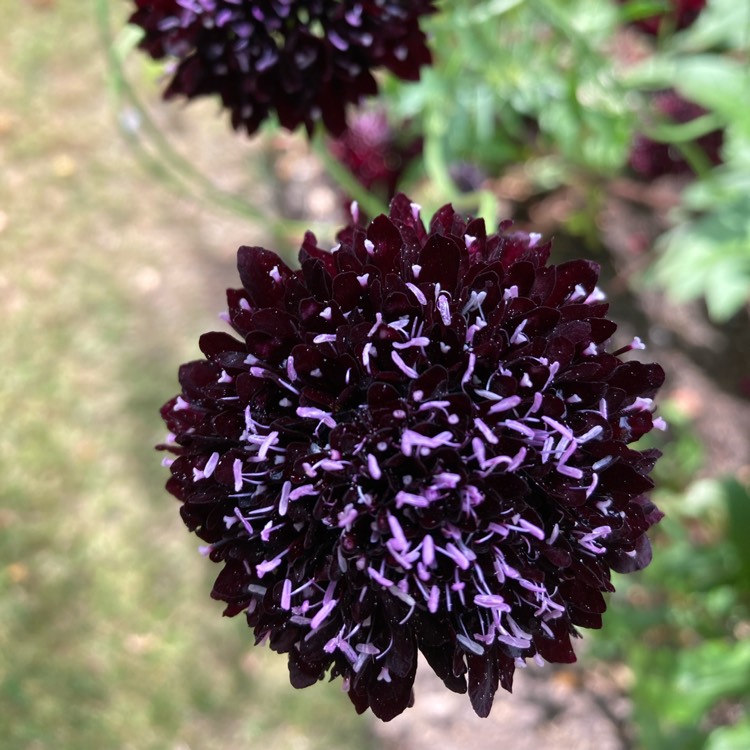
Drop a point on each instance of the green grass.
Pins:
(108, 638)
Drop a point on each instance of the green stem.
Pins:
(372, 205)
(168, 162)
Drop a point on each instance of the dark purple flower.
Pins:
(677, 15)
(654, 159)
(376, 153)
(419, 442)
(304, 60)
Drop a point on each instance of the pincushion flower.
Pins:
(416, 442)
(304, 60)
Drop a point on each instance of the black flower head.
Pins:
(305, 60)
(418, 442)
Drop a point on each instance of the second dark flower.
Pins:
(302, 60)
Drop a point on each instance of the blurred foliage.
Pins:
(563, 88)
(682, 626)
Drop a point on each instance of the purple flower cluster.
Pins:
(304, 60)
(417, 442)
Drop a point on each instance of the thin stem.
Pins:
(167, 161)
(372, 205)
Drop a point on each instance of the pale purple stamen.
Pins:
(469, 369)
(408, 371)
(428, 551)
(237, 471)
(588, 541)
(378, 578)
(310, 412)
(180, 404)
(489, 436)
(399, 538)
(418, 341)
(444, 309)
(322, 614)
(434, 599)
(290, 371)
(368, 348)
(561, 428)
(492, 601)
(516, 426)
(417, 292)
(284, 497)
(411, 439)
(505, 404)
(408, 498)
(519, 336)
(244, 521)
(286, 594)
(373, 467)
(267, 565)
(325, 338)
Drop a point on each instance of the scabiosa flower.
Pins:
(376, 153)
(419, 442)
(677, 15)
(305, 60)
(652, 159)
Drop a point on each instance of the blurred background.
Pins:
(626, 139)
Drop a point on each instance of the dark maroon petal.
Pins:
(262, 273)
(483, 683)
(440, 259)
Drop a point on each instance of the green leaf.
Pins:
(710, 257)
(736, 737)
(487, 11)
(706, 674)
(737, 497)
(723, 24)
(717, 82)
(727, 287)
